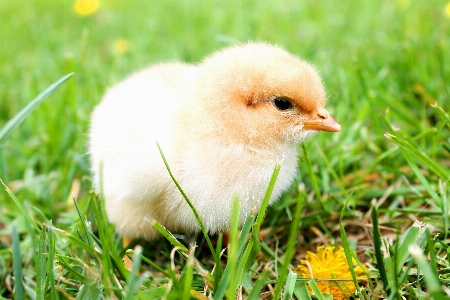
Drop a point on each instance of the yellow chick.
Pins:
(222, 125)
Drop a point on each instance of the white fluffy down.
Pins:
(213, 162)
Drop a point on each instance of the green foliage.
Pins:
(23, 114)
(386, 68)
(17, 265)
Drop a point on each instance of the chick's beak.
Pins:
(328, 124)
(324, 122)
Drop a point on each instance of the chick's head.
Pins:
(262, 94)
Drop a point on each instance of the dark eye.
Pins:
(282, 103)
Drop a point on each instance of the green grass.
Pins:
(386, 66)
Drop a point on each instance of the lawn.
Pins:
(386, 67)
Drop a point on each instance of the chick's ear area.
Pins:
(251, 101)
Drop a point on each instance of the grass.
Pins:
(387, 71)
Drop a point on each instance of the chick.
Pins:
(222, 125)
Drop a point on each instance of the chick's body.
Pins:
(221, 129)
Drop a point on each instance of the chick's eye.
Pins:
(282, 103)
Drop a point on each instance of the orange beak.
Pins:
(326, 124)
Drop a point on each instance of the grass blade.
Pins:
(233, 253)
(409, 238)
(294, 228)
(230, 269)
(259, 284)
(423, 180)
(391, 273)
(247, 258)
(243, 236)
(197, 216)
(151, 263)
(378, 248)
(133, 281)
(188, 274)
(431, 164)
(265, 202)
(108, 255)
(441, 113)
(51, 256)
(17, 264)
(314, 183)
(67, 266)
(169, 236)
(431, 277)
(217, 268)
(18, 119)
(290, 285)
(315, 289)
(83, 223)
(20, 206)
(348, 255)
(301, 291)
(76, 241)
(252, 249)
(90, 290)
(41, 270)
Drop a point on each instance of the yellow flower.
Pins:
(85, 7)
(447, 10)
(329, 263)
(121, 46)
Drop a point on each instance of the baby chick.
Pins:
(222, 125)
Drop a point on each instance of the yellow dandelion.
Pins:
(447, 10)
(329, 263)
(121, 46)
(85, 7)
